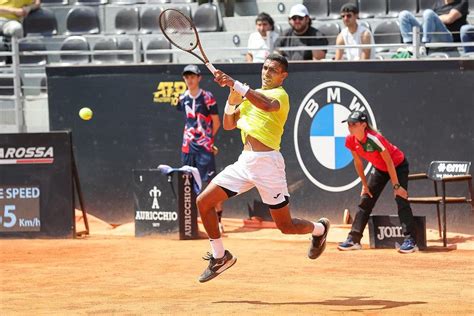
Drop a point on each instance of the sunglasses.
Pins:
(349, 15)
(297, 18)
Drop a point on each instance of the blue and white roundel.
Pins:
(328, 136)
(319, 136)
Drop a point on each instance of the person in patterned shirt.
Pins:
(201, 126)
(389, 163)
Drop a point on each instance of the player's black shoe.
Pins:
(318, 243)
(217, 266)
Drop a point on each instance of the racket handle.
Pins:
(211, 68)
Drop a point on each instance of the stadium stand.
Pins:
(149, 20)
(317, 9)
(90, 2)
(53, 2)
(370, 9)
(330, 29)
(156, 42)
(82, 20)
(127, 21)
(425, 4)
(3, 49)
(29, 45)
(126, 44)
(107, 44)
(207, 19)
(75, 43)
(41, 22)
(387, 32)
(395, 6)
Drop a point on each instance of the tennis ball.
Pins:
(85, 114)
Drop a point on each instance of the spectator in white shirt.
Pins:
(261, 42)
(353, 34)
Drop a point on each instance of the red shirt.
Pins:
(371, 147)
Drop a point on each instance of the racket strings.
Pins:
(179, 30)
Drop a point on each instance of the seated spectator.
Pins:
(301, 33)
(261, 42)
(353, 34)
(467, 36)
(12, 13)
(441, 24)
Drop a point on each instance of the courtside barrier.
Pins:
(36, 185)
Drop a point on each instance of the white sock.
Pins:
(217, 248)
(318, 229)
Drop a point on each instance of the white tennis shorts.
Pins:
(263, 170)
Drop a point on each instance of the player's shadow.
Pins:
(356, 302)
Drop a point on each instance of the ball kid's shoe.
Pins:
(408, 246)
(349, 244)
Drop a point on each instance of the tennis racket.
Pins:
(181, 32)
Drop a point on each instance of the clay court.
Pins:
(111, 272)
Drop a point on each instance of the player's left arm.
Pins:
(262, 101)
(401, 191)
(258, 99)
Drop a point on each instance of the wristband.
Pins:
(240, 88)
(229, 109)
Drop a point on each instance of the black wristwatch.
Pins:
(396, 186)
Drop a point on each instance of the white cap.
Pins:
(298, 10)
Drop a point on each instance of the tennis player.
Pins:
(260, 115)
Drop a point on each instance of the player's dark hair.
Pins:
(280, 59)
(265, 17)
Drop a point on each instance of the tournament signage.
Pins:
(440, 169)
(188, 228)
(318, 130)
(36, 188)
(155, 205)
(20, 209)
(158, 210)
(385, 231)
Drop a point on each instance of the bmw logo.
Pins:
(319, 135)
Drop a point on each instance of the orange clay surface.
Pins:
(111, 272)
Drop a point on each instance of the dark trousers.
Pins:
(376, 182)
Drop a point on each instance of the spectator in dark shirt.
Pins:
(441, 24)
(301, 33)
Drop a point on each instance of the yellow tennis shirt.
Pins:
(267, 127)
(13, 4)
